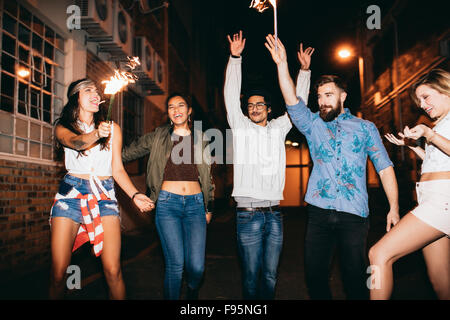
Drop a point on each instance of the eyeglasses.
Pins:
(258, 106)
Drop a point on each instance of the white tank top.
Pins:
(435, 160)
(95, 162)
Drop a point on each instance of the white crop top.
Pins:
(95, 162)
(435, 160)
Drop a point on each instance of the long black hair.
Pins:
(69, 119)
(187, 99)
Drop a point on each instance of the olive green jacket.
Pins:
(159, 145)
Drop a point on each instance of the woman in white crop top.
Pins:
(428, 225)
(85, 207)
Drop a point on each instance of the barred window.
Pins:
(31, 82)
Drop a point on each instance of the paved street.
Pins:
(143, 267)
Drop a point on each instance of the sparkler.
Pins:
(118, 81)
(262, 5)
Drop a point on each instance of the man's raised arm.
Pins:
(304, 74)
(279, 57)
(299, 113)
(233, 80)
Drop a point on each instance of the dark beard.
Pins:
(331, 115)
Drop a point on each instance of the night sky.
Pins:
(323, 25)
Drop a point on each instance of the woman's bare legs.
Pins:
(111, 257)
(408, 235)
(437, 258)
(63, 233)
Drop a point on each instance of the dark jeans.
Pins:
(327, 229)
(260, 238)
(181, 224)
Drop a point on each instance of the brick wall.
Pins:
(26, 196)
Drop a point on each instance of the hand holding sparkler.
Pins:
(304, 57)
(237, 45)
(279, 56)
(284, 78)
(104, 130)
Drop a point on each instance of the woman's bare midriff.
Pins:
(184, 188)
(440, 175)
(86, 176)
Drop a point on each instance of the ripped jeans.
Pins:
(70, 207)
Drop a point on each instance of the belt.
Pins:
(263, 209)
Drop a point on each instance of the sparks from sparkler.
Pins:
(133, 62)
(118, 81)
(261, 6)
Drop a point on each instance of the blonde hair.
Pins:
(437, 79)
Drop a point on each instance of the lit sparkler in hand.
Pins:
(262, 5)
(118, 81)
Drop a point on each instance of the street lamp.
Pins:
(345, 53)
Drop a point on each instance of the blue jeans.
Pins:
(260, 239)
(181, 224)
(348, 232)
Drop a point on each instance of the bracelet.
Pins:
(136, 193)
(237, 57)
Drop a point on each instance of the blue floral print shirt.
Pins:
(339, 151)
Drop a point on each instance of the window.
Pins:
(132, 117)
(31, 82)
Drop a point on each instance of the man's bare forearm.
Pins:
(286, 84)
(390, 186)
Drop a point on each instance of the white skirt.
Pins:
(433, 208)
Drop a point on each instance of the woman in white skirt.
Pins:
(427, 227)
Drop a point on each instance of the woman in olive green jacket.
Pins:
(179, 179)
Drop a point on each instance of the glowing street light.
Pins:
(344, 53)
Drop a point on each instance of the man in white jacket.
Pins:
(259, 163)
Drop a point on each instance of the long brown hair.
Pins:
(69, 119)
